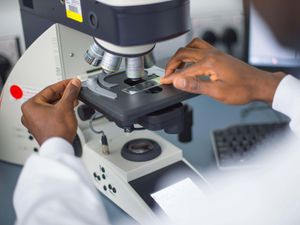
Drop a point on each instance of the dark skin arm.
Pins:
(231, 81)
(51, 112)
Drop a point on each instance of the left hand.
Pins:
(51, 112)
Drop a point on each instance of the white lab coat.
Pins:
(54, 187)
(286, 101)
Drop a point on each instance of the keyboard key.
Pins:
(236, 146)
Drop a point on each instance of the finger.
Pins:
(198, 43)
(193, 85)
(196, 70)
(52, 93)
(70, 95)
(181, 66)
(184, 55)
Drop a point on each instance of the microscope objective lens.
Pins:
(110, 63)
(135, 67)
(94, 55)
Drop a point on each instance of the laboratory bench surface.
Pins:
(208, 115)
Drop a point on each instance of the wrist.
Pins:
(266, 85)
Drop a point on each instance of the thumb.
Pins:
(70, 94)
(193, 85)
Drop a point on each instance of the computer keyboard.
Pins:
(235, 146)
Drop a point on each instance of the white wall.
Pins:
(215, 7)
(212, 15)
(10, 20)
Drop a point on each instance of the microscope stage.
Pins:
(118, 105)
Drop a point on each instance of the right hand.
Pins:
(231, 81)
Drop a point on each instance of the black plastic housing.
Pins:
(153, 110)
(123, 26)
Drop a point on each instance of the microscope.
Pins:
(108, 45)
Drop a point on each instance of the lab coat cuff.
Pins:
(54, 146)
(285, 96)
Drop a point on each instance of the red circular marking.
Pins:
(16, 92)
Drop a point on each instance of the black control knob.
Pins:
(187, 135)
(77, 146)
(85, 112)
(229, 38)
(210, 37)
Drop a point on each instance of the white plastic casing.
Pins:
(130, 2)
(64, 59)
(131, 50)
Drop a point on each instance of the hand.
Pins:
(228, 79)
(51, 112)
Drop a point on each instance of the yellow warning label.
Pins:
(74, 16)
(73, 10)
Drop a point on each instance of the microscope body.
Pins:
(122, 31)
(126, 95)
(119, 179)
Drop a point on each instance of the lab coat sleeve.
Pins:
(54, 188)
(287, 101)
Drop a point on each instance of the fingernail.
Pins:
(180, 83)
(76, 82)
